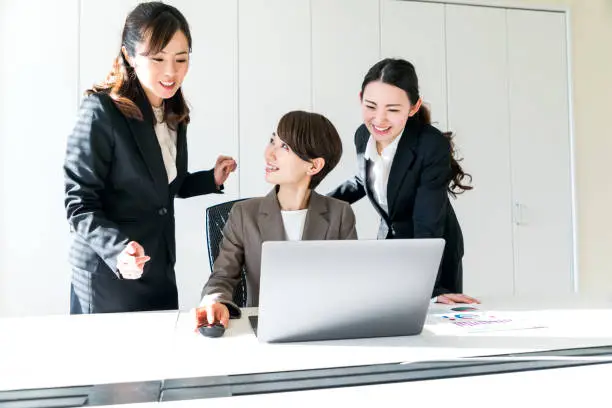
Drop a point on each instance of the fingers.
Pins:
(131, 248)
(469, 299)
(193, 316)
(200, 316)
(138, 249)
(452, 298)
(210, 313)
(461, 298)
(223, 168)
(134, 248)
(131, 261)
(226, 163)
(227, 166)
(141, 261)
(214, 312)
(444, 299)
(222, 158)
(222, 314)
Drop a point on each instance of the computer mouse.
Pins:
(212, 330)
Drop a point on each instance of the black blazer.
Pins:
(117, 191)
(419, 205)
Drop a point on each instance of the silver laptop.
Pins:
(323, 290)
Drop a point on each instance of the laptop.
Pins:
(345, 289)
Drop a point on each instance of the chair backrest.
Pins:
(216, 217)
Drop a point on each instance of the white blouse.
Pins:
(293, 222)
(167, 142)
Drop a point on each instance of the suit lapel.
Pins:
(181, 150)
(269, 221)
(316, 224)
(148, 145)
(366, 181)
(366, 164)
(402, 161)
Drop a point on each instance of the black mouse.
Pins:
(212, 330)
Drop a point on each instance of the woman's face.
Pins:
(283, 166)
(162, 74)
(385, 109)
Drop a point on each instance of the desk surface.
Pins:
(571, 323)
(56, 351)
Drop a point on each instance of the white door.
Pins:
(541, 163)
(479, 118)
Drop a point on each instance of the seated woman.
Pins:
(304, 149)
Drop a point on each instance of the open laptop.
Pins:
(323, 290)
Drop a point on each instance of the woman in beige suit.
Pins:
(303, 150)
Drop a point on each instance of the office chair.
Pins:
(216, 217)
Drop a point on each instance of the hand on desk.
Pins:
(452, 298)
(210, 313)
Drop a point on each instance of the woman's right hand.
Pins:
(131, 261)
(212, 312)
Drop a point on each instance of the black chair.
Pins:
(216, 217)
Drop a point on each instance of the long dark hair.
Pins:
(156, 22)
(401, 73)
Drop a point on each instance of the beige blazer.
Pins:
(254, 221)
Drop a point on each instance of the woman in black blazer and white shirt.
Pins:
(407, 170)
(125, 162)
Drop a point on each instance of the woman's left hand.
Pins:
(452, 298)
(224, 166)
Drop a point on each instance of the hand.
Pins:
(131, 261)
(210, 313)
(452, 298)
(224, 166)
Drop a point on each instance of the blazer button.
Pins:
(162, 211)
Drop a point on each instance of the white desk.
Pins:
(55, 351)
(79, 350)
(572, 322)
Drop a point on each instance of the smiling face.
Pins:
(283, 166)
(385, 110)
(161, 75)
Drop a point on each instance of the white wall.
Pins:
(34, 275)
(37, 110)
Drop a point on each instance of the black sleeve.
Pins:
(352, 189)
(89, 156)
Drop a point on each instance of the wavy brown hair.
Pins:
(154, 23)
(401, 73)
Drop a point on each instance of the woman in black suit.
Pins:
(125, 162)
(407, 170)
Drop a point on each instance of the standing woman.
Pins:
(125, 162)
(407, 169)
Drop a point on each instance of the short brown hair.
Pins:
(310, 136)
